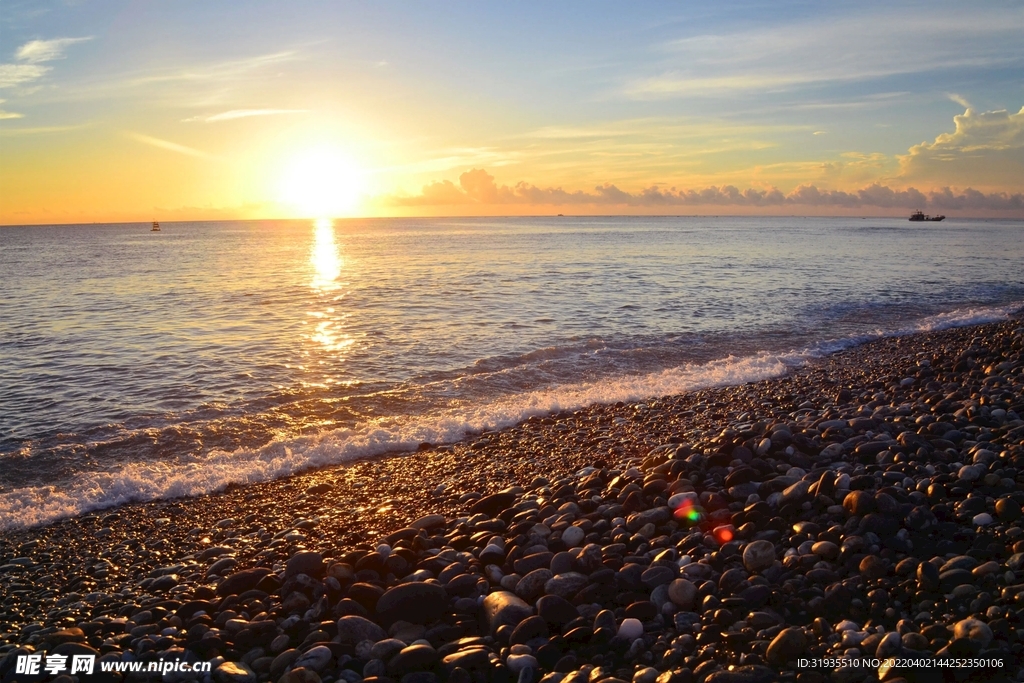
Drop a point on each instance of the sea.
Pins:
(138, 365)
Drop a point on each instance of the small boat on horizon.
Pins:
(155, 228)
(921, 216)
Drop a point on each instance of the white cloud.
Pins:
(245, 113)
(30, 57)
(985, 148)
(8, 114)
(168, 145)
(16, 74)
(959, 100)
(36, 51)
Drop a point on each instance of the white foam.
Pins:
(141, 481)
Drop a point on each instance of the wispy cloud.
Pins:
(39, 130)
(959, 100)
(168, 145)
(36, 51)
(828, 50)
(16, 74)
(30, 58)
(218, 71)
(244, 113)
(8, 114)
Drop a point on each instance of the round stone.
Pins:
(758, 556)
(787, 646)
(415, 602)
(974, 630)
(564, 585)
(826, 550)
(682, 593)
(982, 519)
(630, 629)
(859, 502)
(315, 659)
(573, 537)
(873, 567)
(1008, 509)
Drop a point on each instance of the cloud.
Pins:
(170, 146)
(8, 114)
(36, 51)
(218, 72)
(244, 113)
(477, 186)
(984, 149)
(16, 74)
(871, 44)
(959, 100)
(30, 56)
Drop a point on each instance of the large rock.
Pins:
(415, 602)
(565, 585)
(353, 629)
(531, 586)
(683, 593)
(787, 646)
(308, 563)
(239, 582)
(412, 658)
(758, 556)
(974, 630)
(315, 659)
(493, 504)
(502, 608)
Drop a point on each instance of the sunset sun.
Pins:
(321, 182)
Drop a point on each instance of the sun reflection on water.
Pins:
(327, 333)
(324, 256)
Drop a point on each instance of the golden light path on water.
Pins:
(326, 267)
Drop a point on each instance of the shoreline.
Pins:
(70, 572)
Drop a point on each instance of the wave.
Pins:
(148, 480)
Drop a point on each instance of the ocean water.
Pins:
(138, 365)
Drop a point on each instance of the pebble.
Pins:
(630, 629)
(683, 543)
(758, 556)
(786, 646)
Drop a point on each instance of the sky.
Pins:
(146, 110)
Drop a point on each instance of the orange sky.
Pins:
(131, 112)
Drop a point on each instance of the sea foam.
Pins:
(144, 481)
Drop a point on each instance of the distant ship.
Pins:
(156, 227)
(920, 216)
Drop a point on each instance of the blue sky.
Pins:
(402, 100)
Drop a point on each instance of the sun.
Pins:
(321, 183)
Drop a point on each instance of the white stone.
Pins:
(630, 629)
(517, 663)
(982, 519)
(677, 500)
(573, 537)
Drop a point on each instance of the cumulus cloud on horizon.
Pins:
(479, 187)
(985, 148)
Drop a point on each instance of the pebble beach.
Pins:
(864, 507)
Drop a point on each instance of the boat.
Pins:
(155, 228)
(918, 216)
